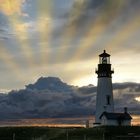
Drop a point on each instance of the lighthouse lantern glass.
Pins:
(104, 60)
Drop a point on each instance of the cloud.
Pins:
(96, 25)
(50, 97)
(9, 7)
(50, 34)
(56, 100)
(125, 94)
(4, 26)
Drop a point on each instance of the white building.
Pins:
(104, 114)
(89, 123)
(115, 119)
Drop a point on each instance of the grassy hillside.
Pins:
(44, 133)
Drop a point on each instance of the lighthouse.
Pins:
(104, 99)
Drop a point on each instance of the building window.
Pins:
(108, 99)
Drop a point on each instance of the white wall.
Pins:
(104, 88)
(105, 121)
(89, 123)
(126, 123)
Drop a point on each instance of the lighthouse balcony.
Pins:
(98, 71)
(104, 73)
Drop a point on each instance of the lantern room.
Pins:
(104, 58)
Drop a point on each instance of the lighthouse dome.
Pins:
(104, 54)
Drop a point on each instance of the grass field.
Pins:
(45, 133)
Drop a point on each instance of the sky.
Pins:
(63, 38)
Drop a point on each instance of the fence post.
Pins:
(85, 137)
(67, 134)
(13, 136)
(103, 135)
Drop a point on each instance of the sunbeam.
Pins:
(10, 7)
(44, 27)
(21, 35)
(70, 30)
(58, 38)
(11, 63)
(97, 28)
(124, 33)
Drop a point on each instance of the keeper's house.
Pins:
(116, 119)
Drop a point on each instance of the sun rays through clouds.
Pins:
(63, 38)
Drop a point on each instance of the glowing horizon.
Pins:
(52, 122)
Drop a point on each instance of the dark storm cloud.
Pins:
(130, 85)
(106, 9)
(88, 9)
(87, 14)
(50, 97)
(128, 100)
(125, 95)
(56, 100)
(79, 14)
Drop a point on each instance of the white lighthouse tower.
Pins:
(104, 99)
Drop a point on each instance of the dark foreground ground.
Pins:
(45, 133)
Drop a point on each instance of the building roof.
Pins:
(104, 54)
(116, 116)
